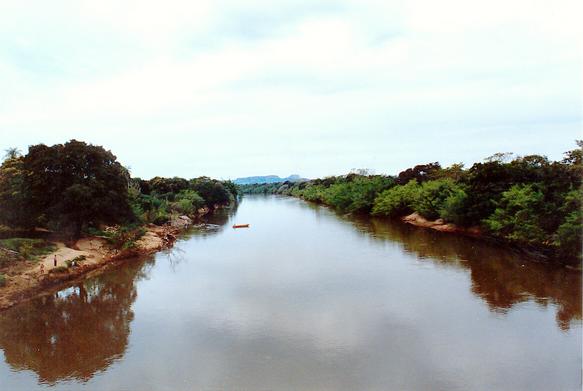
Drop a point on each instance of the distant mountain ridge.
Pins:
(253, 180)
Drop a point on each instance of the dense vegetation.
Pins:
(528, 200)
(75, 187)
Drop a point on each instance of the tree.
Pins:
(397, 201)
(12, 153)
(213, 191)
(13, 211)
(432, 197)
(74, 184)
(568, 236)
(421, 173)
(517, 215)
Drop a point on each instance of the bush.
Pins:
(3, 280)
(568, 235)
(313, 193)
(75, 261)
(397, 201)
(188, 202)
(124, 236)
(30, 249)
(516, 216)
(454, 207)
(432, 197)
(357, 193)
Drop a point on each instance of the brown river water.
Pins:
(305, 299)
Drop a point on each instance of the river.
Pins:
(304, 299)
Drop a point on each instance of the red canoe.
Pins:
(241, 226)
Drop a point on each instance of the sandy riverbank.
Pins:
(27, 279)
(439, 225)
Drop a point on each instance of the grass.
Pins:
(30, 249)
(75, 261)
(123, 237)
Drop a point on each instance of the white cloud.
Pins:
(279, 88)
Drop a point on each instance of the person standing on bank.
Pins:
(55, 260)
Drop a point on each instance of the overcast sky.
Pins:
(253, 87)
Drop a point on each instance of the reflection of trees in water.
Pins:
(175, 256)
(215, 222)
(499, 276)
(74, 333)
(222, 215)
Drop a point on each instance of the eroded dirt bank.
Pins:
(439, 225)
(27, 279)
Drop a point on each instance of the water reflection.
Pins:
(304, 300)
(74, 333)
(500, 277)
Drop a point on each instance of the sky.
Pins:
(239, 88)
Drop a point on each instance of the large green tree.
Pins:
(75, 184)
(13, 211)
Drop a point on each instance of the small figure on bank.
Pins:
(55, 260)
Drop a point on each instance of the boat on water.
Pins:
(241, 226)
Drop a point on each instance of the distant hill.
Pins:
(252, 180)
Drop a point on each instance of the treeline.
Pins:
(157, 200)
(526, 200)
(75, 187)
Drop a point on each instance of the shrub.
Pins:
(397, 201)
(454, 207)
(432, 197)
(124, 236)
(75, 261)
(356, 193)
(188, 202)
(516, 216)
(568, 235)
(29, 249)
(3, 280)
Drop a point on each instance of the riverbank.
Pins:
(532, 252)
(439, 225)
(27, 279)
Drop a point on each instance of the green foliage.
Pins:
(13, 197)
(419, 173)
(74, 184)
(434, 196)
(312, 193)
(568, 235)
(528, 200)
(188, 202)
(398, 201)
(80, 258)
(454, 207)
(212, 191)
(75, 261)
(265, 188)
(232, 188)
(516, 216)
(164, 186)
(122, 237)
(156, 201)
(30, 249)
(3, 280)
(357, 194)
